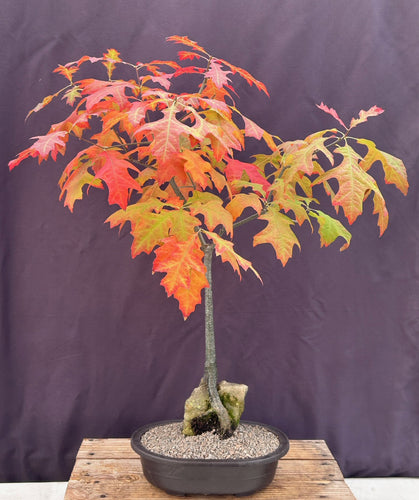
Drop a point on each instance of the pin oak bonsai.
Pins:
(166, 155)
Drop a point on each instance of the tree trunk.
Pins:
(210, 375)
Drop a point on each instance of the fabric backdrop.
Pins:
(91, 347)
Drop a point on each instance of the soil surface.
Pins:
(248, 441)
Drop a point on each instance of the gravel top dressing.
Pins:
(248, 441)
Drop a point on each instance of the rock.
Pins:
(199, 417)
(232, 396)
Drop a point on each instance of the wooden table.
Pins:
(108, 468)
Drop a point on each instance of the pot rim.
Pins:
(145, 452)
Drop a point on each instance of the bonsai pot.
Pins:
(186, 476)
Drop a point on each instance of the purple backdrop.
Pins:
(91, 347)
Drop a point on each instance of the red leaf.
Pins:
(235, 170)
(49, 144)
(112, 167)
(185, 54)
(332, 112)
(184, 40)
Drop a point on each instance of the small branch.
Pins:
(176, 189)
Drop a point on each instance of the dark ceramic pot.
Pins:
(183, 476)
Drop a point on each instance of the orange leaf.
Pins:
(182, 261)
(242, 201)
(224, 249)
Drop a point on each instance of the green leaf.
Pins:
(330, 229)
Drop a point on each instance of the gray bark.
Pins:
(210, 375)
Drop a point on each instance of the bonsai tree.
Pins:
(167, 160)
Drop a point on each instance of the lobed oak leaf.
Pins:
(364, 115)
(76, 123)
(217, 74)
(186, 54)
(181, 261)
(167, 132)
(49, 144)
(236, 169)
(354, 183)
(82, 60)
(211, 207)
(331, 112)
(188, 70)
(251, 129)
(45, 101)
(380, 209)
(278, 234)
(241, 202)
(189, 297)
(394, 169)
(68, 70)
(330, 229)
(197, 168)
(112, 168)
(284, 194)
(301, 154)
(72, 94)
(75, 177)
(110, 58)
(251, 80)
(100, 90)
(184, 40)
(225, 250)
(183, 225)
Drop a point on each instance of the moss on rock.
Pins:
(199, 416)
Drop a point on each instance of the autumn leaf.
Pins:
(110, 58)
(284, 194)
(211, 207)
(241, 202)
(100, 90)
(67, 71)
(225, 250)
(217, 74)
(331, 112)
(182, 262)
(278, 234)
(251, 80)
(252, 129)
(189, 297)
(72, 94)
(49, 144)
(113, 168)
(364, 115)
(394, 169)
(302, 156)
(184, 40)
(330, 229)
(45, 101)
(186, 54)
(75, 177)
(354, 183)
(167, 132)
(197, 168)
(236, 169)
